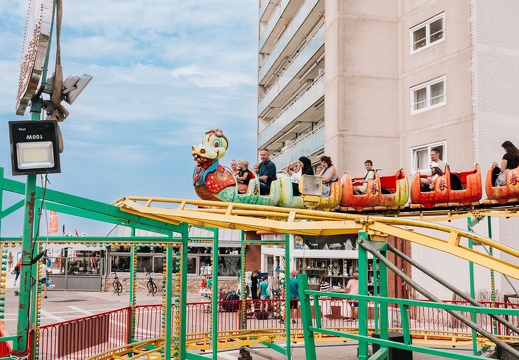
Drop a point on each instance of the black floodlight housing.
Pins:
(34, 147)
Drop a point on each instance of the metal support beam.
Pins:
(451, 287)
(365, 245)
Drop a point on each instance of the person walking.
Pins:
(264, 293)
(16, 270)
(294, 297)
(254, 287)
(353, 288)
(44, 277)
(10, 260)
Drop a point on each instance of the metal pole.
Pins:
(368, 247)
(168, 303)
(492, 275)
(243, 286)
(182, 271)
(451, 288)
(472, 290)
(133, 276)
(24, 305)
(215, 296)
(287, 297)
(363, 290)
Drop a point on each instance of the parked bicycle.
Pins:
(152, 287)
(118, 287)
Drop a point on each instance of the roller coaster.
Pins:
(451, 190)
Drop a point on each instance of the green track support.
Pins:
(306, 316)
(215, 296)
(363, 290)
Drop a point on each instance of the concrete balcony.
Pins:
(266, 8)
(297, 28)
(301, 110)
(279, 19)
(288, 83)
(304, 146)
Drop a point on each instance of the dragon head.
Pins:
(212, 148)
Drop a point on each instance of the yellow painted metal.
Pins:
(237, 338)
(315, 223)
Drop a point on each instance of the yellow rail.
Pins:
(318, 223)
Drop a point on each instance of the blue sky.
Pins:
(164, 72)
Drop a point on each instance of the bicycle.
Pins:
(152, 287)
(118, 287)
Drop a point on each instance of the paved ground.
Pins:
(65, 305)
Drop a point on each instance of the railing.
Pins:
(84, 337)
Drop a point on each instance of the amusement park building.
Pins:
(388, 80)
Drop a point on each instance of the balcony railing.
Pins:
(302, 14)
(298, 106)
(304, 146)
(304, 56)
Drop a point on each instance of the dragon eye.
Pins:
(216, 143)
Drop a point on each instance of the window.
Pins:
(421, 158)
(428, 96)
(427, 33)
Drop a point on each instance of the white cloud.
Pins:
(164, 72)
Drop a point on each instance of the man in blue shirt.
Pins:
(267, 172)
(294, 296)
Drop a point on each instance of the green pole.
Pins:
(24, 304)
(363, 290)
(214, 299)
(492, 275)
(288, 322)
(384, 322)
(20, 346)
(306, 317)
(35, 295)
(472, 291)
(183, 299)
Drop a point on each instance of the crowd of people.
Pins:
(266, 170)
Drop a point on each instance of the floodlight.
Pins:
(34, 147)
(73, 86)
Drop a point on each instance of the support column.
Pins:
(215, 296)
(363, 290)
(182, 271)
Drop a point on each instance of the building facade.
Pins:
(387, 81)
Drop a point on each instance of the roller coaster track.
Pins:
(152, 349)
(214, 214)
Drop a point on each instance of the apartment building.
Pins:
(389, 80)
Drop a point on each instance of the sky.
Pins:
(164, 72)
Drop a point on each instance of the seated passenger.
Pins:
(243, 176)
(305, 168)
(435, 172)
(294, 171)
(328, 173)
(255, 168)
(509, 161)
(234, 166)
(266, 173)
(435, 155)
(370, 175)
